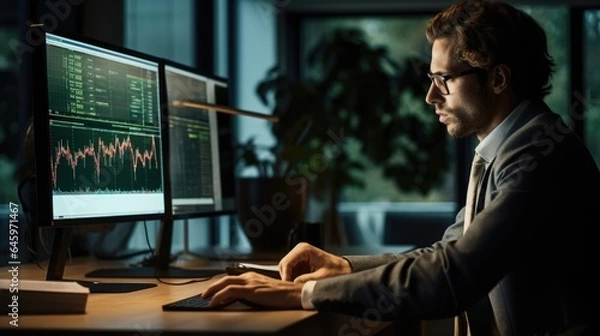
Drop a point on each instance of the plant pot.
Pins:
(268, 208)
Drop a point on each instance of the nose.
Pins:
(433, 95)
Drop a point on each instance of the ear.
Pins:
(500, 76)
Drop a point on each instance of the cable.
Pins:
(152, 262)
(159, 279)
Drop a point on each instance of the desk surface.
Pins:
(140, 312)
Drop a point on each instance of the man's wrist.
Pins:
(307, 294)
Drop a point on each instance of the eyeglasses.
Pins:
(440, 80)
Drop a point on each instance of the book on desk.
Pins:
(21, 296)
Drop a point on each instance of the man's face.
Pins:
(467, 108)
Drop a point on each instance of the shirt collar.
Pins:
(489, 146)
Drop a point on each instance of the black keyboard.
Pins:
(192, 303)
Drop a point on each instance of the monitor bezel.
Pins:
(166, 142)
(41, 121)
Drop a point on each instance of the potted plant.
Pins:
(353, 105)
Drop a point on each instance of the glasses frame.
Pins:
(444, 78)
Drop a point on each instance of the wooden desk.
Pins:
(140, 313)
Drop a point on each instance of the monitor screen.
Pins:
(200, 145)
(98, 134)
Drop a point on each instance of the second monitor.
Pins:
(201, 158)
(200, 145)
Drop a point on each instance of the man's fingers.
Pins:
(286, 274)
(306, 277)
(289, 264)
(285, 271)
(222, 283)
(226, 295)
(316, 275)
(245, 291)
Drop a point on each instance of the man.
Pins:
(520, 263)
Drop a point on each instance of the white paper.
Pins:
(273, 268)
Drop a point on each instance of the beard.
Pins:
(463, 122)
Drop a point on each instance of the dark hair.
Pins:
(485, 33)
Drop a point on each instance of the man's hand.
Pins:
(306, 262)
(255, 289)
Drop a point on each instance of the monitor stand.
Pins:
(160, 267)
(114, 287)
(58, 258)
(186, 254)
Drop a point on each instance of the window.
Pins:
(368, 211)
(555, 21)
(161, 28)
(404, 37)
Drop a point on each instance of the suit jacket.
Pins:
(528, 251)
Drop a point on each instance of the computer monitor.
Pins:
(98, 135)
(200, 145)
(200, 150)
